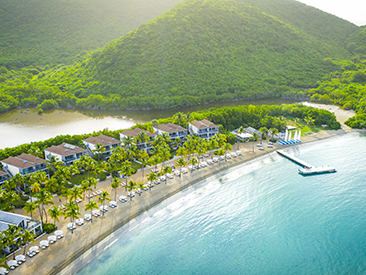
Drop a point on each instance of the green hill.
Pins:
(40, 32)
(200, 51)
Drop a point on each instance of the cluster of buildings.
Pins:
(25, 164)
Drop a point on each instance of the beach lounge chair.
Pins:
(87, 217)
(221, 158)
(206, 155)
(233, 154)
(238, 152)
(163, 178)
(261, 148)
(228, 156)
(3, 271)
(78, 200)
(191, 168)
(12, 264)
(177, 173)
(20, 259)
(79, 222)
(89, 196)
(63, 206)
(156, 182)
(210, 162)
(96, 213)
(169, 176)
(269, 146)
(215, 159)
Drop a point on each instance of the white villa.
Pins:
(24, 164)
(65, 152)
(134, 133)
(204, 128)
(242, 136)
(108, 143)
(173, 130)
(24, 222)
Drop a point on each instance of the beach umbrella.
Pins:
(12, 263)
(299, 137)
(58, 232)
(34, 248)
(52, 238)
(44, 243)
(20, 258)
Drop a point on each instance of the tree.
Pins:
(144, 159)
(181, 162)
(100, 150)
(18, 179)
(254, 138)
(114, 184)
(89, 182)
(142, 137)
(212, 144)
(91, 206)
(30, 207)
(104, 196)
(131, 186)
(13, 233)
(72, 211)
(51, 163)
(55, 212)
(151, 177)
(241, 130)
(140, 185)
(263, 131)
(167, 169)
(76, 193)
(227, 147)
(44, 198)
(27, 237)
(193, 161)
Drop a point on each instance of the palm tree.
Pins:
(89, 182)
(44, 198)
(274, 131)
(27, 237)
(104, 197)
(127, 170)
(220, 152)
(212, 144)
(18, 179)
(55, 212)
(193, 161)
(227, 147)
(30, 207)
(35, 188)
(154, 122)
(254, 138)
(264, 132)
(181, 162)
(140, 185)
(128, 141)
(142, 137)
(167, 169)
(100, 150)
(179, 117)
(51, 163)
(72, 211)
(144, 159)
(165, 155)
(13, 233)
(151, 177)
(91, 206)
(75, 193)
(89, 164)
(131, 185)
(114, 184)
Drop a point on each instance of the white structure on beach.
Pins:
(135, 133)
(203, 128)
(23, 164)
(108, 143)
(65, 152)
(173, 130)
(243, 137)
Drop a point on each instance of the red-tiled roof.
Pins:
(204, 123)
(23, 161)
(102, 139)
(170, 128)
(65, 149)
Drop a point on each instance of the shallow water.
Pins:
(24, 126)
(263, 218)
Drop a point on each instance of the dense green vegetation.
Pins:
(229, 118)
(346, 88)
(200, 51)
(40, 32)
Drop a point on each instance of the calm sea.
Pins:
(263, 218)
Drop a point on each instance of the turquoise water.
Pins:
(263, 218)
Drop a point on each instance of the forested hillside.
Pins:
(41, 32)
(198, 52)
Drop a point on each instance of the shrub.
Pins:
(48, 227)
(102, 177)
(273, 140)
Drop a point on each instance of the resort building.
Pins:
(3, 177)
(135, 134)
(24, 164)
(108, 143)
(173, 130)
(243, 137)
(65, 152)
(204, 128)
(24, 222)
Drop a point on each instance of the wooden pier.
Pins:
(295, 159)
(308, 168)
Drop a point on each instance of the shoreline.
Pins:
(86, 238)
